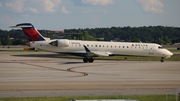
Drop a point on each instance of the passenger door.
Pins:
(151, 51)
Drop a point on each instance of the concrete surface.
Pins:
(35, 74)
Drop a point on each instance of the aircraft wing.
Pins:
(101, 53)
(96, 53)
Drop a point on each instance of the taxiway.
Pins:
(35, 74)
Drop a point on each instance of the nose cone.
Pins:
(168, 54)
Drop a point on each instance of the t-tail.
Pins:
(31, 32)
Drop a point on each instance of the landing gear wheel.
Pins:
(85, 60)
(91, 60)
(162, 59)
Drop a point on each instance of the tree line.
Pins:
(150, 34)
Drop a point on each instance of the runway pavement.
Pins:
(35, 74)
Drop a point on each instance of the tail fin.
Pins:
(30, 31)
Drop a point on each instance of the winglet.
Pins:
(87, 50)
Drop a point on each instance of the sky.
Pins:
(70, 14)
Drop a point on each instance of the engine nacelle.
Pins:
(60, 43)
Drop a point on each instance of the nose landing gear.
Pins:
(162, 59)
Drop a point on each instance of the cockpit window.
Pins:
(160, 47)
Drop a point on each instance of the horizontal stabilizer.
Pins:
(23, 25)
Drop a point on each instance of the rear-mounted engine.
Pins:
(60, 43)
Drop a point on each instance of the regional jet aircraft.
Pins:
(90, 49)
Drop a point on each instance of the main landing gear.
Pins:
(90, 60)
(162, 59)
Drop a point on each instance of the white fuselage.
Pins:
(103, 48)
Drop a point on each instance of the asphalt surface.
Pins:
(38, 74)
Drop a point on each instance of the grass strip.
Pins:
(67, 98)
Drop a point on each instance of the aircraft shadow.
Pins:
(38, 55)
(73, 63)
